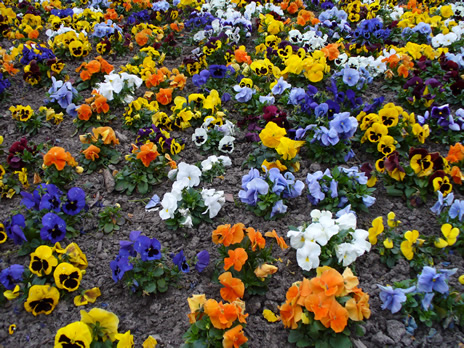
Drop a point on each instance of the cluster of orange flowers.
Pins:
(222, 316)
(59, 157)
(456, 155)
(319, 296)
(98, 65)
(98, 104)
(106, 134)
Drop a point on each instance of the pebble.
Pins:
(395, 329)
(380, 340)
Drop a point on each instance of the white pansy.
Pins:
(200, 136)
(346, 253)
(297, 238)
(214, 200)
(168, 206)
(226, 144)
(347, 221)
(308, 257)
(191, 172)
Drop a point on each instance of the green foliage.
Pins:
(314, 334)
(135, 176)
(109, 219)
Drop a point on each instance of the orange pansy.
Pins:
(100, 105)
(233, 287)
(455, 153)
(226, 235)
(256, 238)
(91, 153)
(107, 134)
(234, 337)
(337, 317)
(84, 112)
(358, 307)
(221, 316)
(57, 156)
(237, 258)
(330, 282)
(147, 153)
(164, 96)
(290, 315)
(319, 304)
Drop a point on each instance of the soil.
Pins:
(164, 316)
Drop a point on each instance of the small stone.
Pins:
(99, 246)
(395, 329)
(380, 340)
(122, 138)
(358, 344)
(108, 180)
(229, 197)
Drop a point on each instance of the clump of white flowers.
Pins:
(328, 241)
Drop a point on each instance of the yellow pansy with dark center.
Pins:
(3, 235)
(76, 48)
(67, 276)
(42, 299)
(42, 260)
(422, 165)
(376, 131)
(74, 335)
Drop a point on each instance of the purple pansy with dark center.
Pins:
(181, 262)
(149, 249)
(54, 228)
(75, 202)
(11, 275)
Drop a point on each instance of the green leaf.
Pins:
(150, 288)
(340, 341)
(108, 228)
(295, 336)
(142, 187)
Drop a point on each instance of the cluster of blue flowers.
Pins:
(335, 22)
(50, 199)
(257, 190)
(149, 249)
(370, 31)
(106, 29)
(37, 53)
(63, 93)
(454, 207)
(4, 84)
(351, 77)
(429, 283)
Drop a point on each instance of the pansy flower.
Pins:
(233, 287)
(119, 266)
(107, 322)
(75, 202)
(15, 228)
(67, 276)
(181, 262)
(54, 228)
(42, 261)
(3, 236)
(42, 299)
(76, 334)
(11, 275)
(149, 249)
(87, 296)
